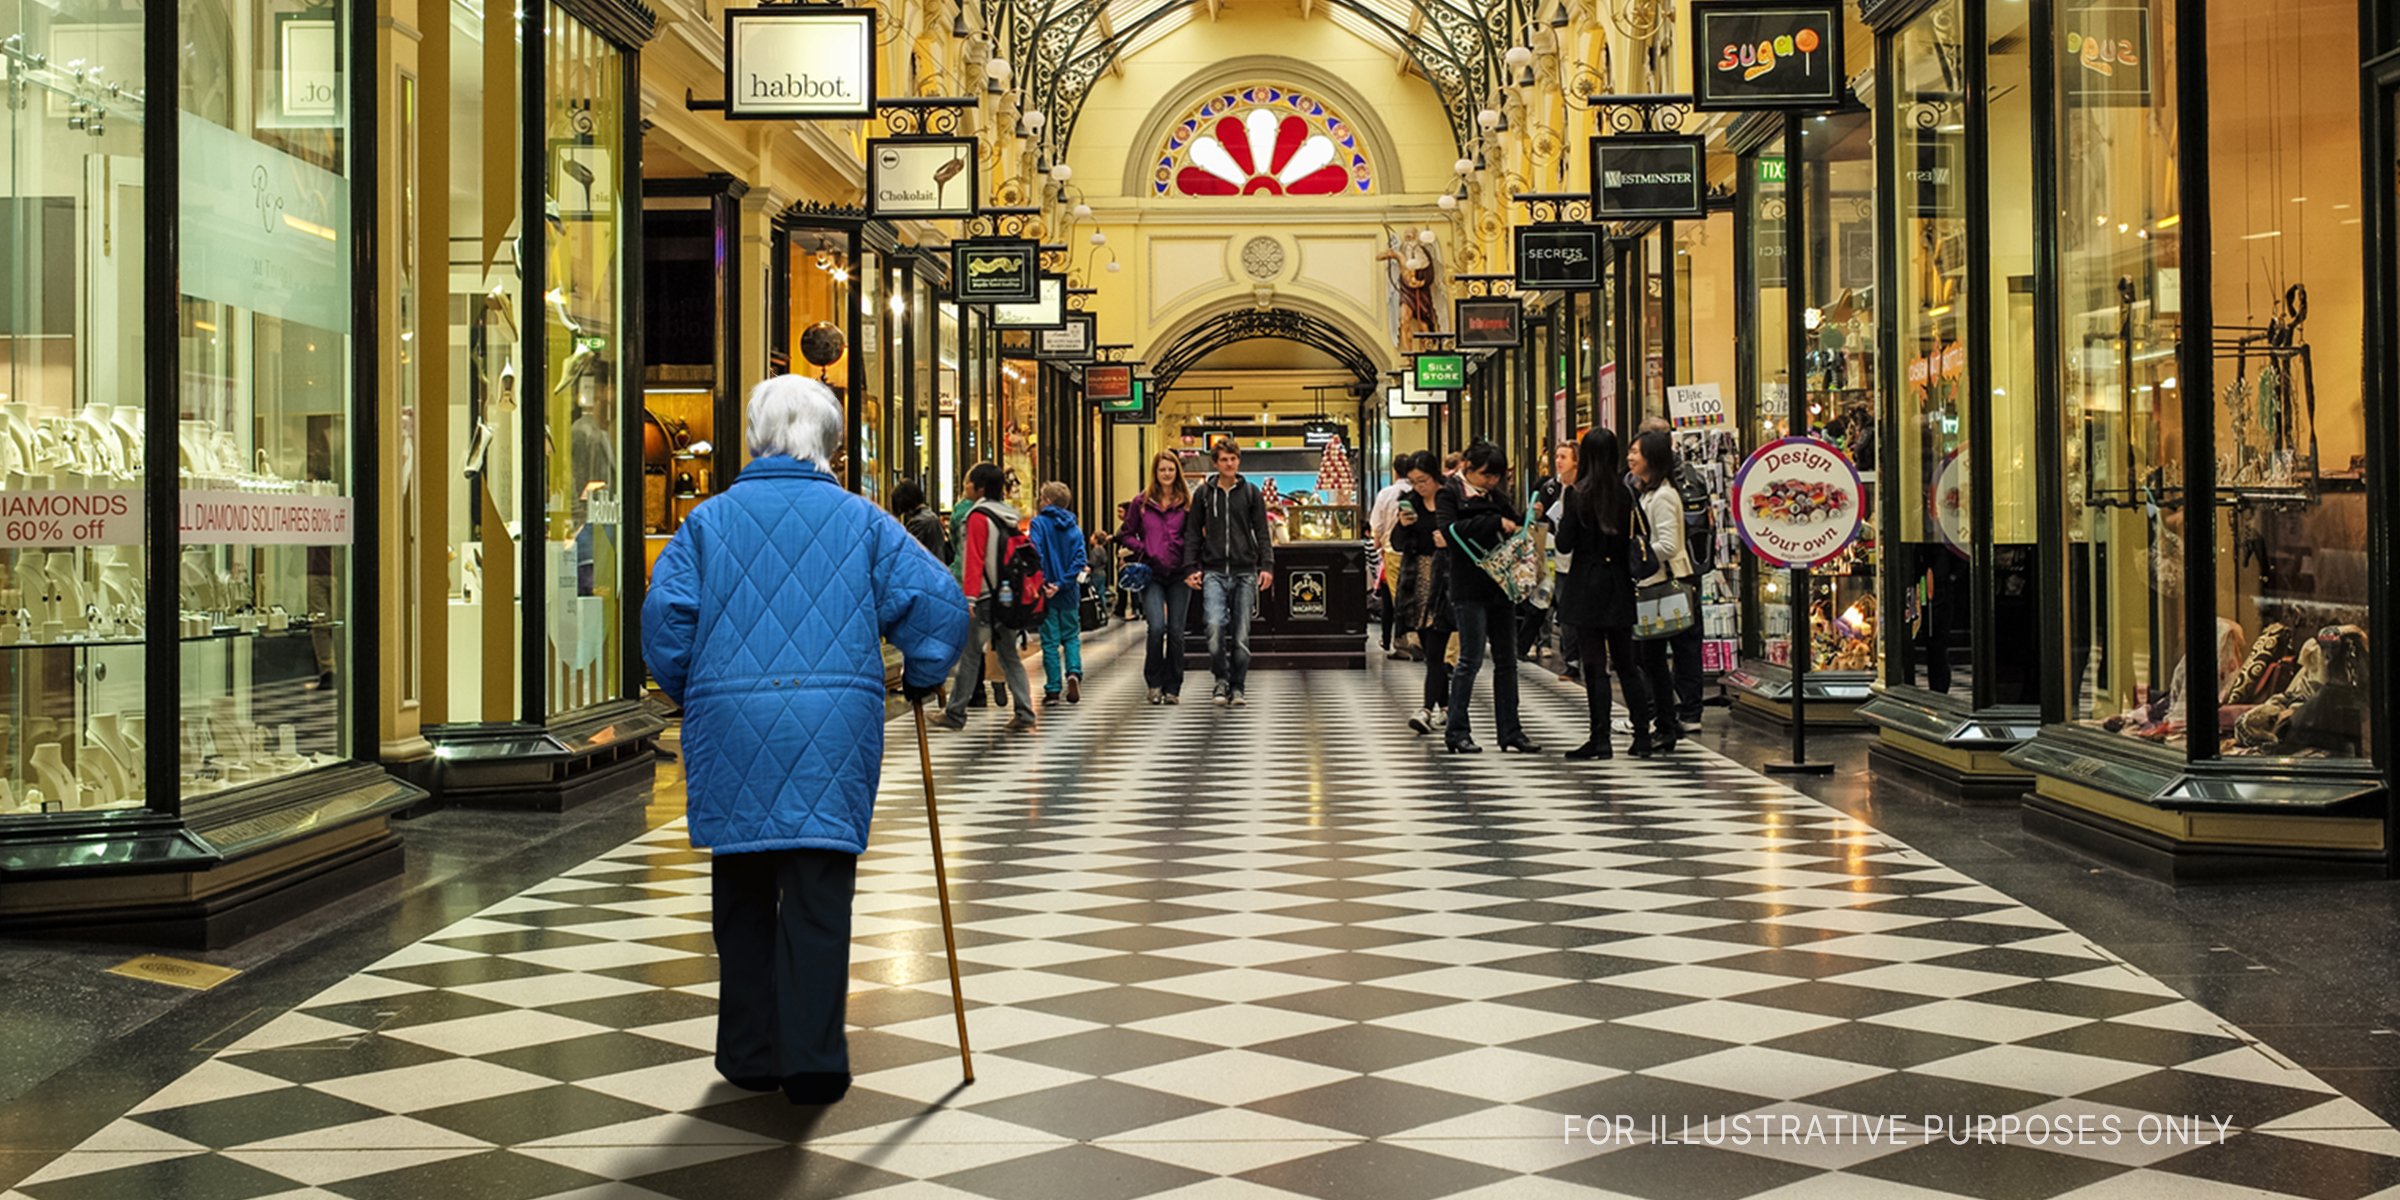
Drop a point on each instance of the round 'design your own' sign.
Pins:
(1798, 502)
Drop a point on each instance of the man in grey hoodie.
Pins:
(1229, 558)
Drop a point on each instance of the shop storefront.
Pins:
(1805, 364)
(189, 470)
(692, 390)
(534, 462)
(1960, 396)
(2213, 481)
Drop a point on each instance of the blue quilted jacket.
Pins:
(764, 621)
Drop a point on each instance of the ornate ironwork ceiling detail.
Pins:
(1252, 325)
(1059, 48)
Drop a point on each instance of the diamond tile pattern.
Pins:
(1284, 950)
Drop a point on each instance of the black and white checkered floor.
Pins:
(1274, 951)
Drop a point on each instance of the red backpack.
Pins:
(1019, 602)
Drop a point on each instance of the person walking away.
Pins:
(764, 621)
(1562, 476)
(1382, 517)
(1479, 515)
(1065, 563)
(982, 547)
(1660, 525)
(919, 519)
(1152, 532)
(1425, 586)
(1229, 558)
(1595, 604)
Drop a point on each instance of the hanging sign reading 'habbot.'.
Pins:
(1749, 54)
(1798, 502)
(799, 63)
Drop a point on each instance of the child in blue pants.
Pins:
(1060, 541)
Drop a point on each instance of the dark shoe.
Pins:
(763, 1083)
(1074, 689)
(1049, 698)
(1461, 744)
(1519, 744)
(1667, 738)
(1592, 751)
(1641, 747)
(816, 1087)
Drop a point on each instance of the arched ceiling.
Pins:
(1058, 48)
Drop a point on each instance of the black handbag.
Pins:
(1095, 609)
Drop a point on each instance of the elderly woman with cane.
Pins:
(765, 621)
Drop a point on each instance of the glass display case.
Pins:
(1319, 523)
(1960, 399)
(692, 385)
(541, 474)
(183, 473)
(1806, 311)
(2207, 690)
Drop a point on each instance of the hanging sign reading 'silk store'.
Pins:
(1750, 54)
(799, 63)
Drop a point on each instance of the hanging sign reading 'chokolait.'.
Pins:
(924, 178)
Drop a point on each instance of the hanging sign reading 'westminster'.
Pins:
(799, 63)
(1749, 54)
(1489, 324)
(924, 178)
(996, 271)
(1649, 177)
(1558, 257)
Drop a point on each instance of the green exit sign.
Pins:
(1441, 372)
(1770, 170)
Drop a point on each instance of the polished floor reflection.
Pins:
(1284, 950)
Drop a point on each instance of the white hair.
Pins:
(796, 416)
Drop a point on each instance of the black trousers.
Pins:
(1684, 648)
(782, 925)
(1492, 624)
(1596, 648)
(1661, 713)
(1435, 642)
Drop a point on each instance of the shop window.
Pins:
(481, 364)
(586, 523)
(1262, 139)
(1931, 542)
(2289, 422)
(71, 354)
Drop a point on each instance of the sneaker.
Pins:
(949, 721)
(1421, 721)
(1157, 696)
(1239, 699)
(1172, 698)
(1221, 694)
(1622, 725)
(1021, 724)
(1074, 689)
(1049, 698)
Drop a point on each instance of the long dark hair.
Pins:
(987, 481)
(1658, 453)
(1599, 495)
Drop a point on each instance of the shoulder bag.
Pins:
(1515, 564)
(1663, 609)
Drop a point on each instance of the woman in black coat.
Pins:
(1480, 515)
(1425, 585)
(1596, 598)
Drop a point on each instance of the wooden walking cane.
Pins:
(941, 887)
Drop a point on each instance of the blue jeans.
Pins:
(1479, 624)
(1062, 639)
(1226, 601)
(1166, 606)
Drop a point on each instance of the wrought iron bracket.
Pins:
(1484, 285)
(923, 116)
(1647, 112)
(1003, 222)
(1553, 208)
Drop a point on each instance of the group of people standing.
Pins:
(1619, 523)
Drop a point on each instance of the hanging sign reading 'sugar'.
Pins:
(1752, 54)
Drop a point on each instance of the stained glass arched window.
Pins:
(1263, 138)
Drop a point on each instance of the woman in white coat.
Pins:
(1651, 464)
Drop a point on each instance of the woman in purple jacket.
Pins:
(1152, 531)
